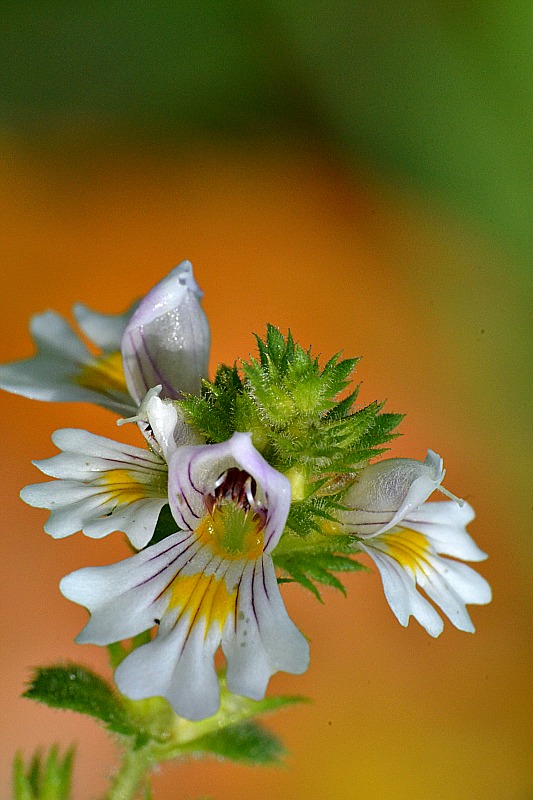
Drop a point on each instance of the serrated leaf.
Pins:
(77, 688)
(315, 565)
(246, 742)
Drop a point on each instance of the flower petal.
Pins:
(401, 593)
(167, 339)
(167, 429)
(405, 559)
(179, 667)
(198, 600)
(105, 330)
(128, 597)
(262, 639)
(61, 369)
(110, 487)
(385, 492)
(443, 524)
(193, 472)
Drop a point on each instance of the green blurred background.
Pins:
(362, 172)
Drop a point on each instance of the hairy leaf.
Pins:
(246, 742)
(77, 688)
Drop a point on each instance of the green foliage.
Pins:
(233, 734)
(79, 689)
(292, 408)
(45, 778)
(166, 526)
(315, 559)
(154, 731)
(306, 425)
(247, 742)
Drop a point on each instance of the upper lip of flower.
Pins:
(386, 491)
(167, 339)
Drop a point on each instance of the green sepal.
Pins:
(47, 778)
(246, 742)
(77, 688)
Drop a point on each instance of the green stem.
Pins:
(135, 766)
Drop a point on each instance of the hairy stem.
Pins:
(135, 766)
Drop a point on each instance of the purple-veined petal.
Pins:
(199, 600)
(103, 487)
(402, 596)
(127, 598)
(406, 559)
(194, 471)
(179, 667)
(167, 339)
(384, 493)
(262, 639)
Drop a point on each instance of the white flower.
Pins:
(165, 341)
(105, 486)
(212, 583)
(406, 537)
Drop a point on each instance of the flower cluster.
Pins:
(262, 470)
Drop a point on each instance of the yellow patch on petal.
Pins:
(232, 532)
(202, 597)
(409, 548)
(105, 374)
(123, 486)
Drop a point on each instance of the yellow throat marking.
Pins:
(104, 374)
(409, 548)
(123, 487)
(202, 596)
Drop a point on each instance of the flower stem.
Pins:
(135, 766)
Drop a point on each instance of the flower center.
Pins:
(234, 525)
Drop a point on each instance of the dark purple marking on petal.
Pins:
(237, 595)
(189, 475)
(184, 496)
(252, 598)
(167, 566)
(172, 546)
(263, 574)
(171, 392)
(135, 351)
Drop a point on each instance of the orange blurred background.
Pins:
(440, 315)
